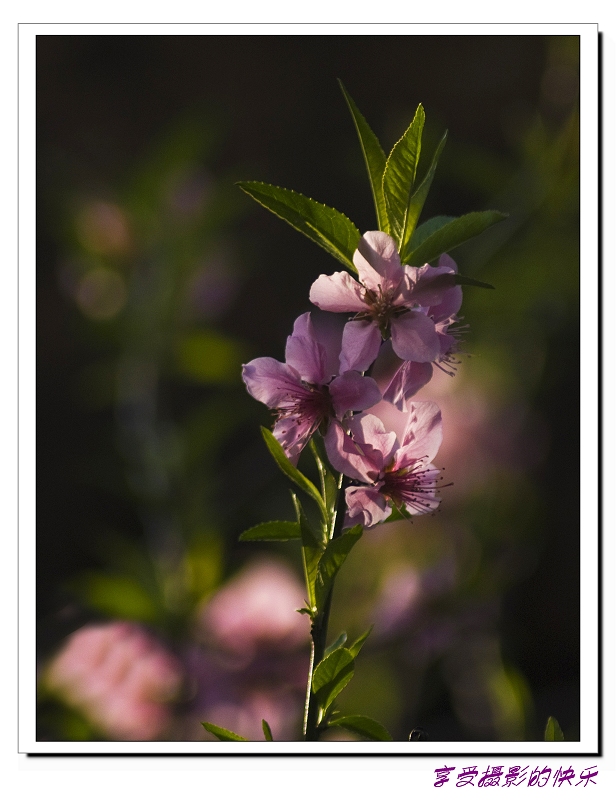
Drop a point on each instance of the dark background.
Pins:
(119, 118)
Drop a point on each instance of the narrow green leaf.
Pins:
(335, 645)
(453, 234)
(418, 198)
(364, 726)
(373, 156)
(267, 731)
(332, 559)
(464, 281)
(359, 642)
(222, 733)
(275, 531)
(330, 485)
(332, 675)
(553, 732)
(421, 233)
(311, 551)
(292, 472)
(399, 176)
(329, 228)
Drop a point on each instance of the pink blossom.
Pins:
(390, 300)
(308, 391)
(389, 472)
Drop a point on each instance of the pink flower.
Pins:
(389, 301)
(396, 473)
(398, 379)
(307, 391)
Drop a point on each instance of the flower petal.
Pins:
(271, 382)
(413, 337)
(378, 262)
(361, 341)
(293, 434)
(410, 377)
(337, 292)
(347, 457)
(353, 392)
(366, 506)
(373, 438)
(306, 355)
(429, 285)
(423, 434)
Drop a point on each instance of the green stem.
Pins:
(318, 630)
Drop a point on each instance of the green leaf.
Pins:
(324, 225)
(267, 731)
(335, 645)
(399, 176)
(464, 281)
(330, 485)
(364, 726)
(332, 559)
(292, 472)
(312, 548)
(420, 235)
(374, 157)
(553, 732)
(453, 234)
(359, 642)
(271, 532)
(418, 198)
(332, 675)
(222, 733)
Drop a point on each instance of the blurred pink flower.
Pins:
(119, 677)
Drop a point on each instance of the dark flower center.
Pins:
(381, 308)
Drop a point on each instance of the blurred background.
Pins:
(158, 278)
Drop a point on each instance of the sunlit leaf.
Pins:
(222, 733)
(418, 198)
(421, 233)
(312, 547)
(335, 645)
(332, 559)
(292, 472)
(329, 228)
(332, 675)
(375, 160)
(359, 642)
(364, 726)
(267, 731)
(453, 234)
(275, 531)
(399, 176)
(553, 732)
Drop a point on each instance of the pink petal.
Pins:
(353, 392)
(447, 261)
(366, 506)
(413, 337)
(426, 499)
(347, 457)
(293, 434)
(407, 381)
(373, 438)
(271, 382)
(337, 292)
(377, 261)
(423, 434)
(429, 285)
(328, 332)
(361, 341)
(306, 355)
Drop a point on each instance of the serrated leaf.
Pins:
(463, 280)
(222, 733)
(332, 675)
(374, 157)
(553, 731)
(364, 726)
(453, 234)
(275, 531)
(330, 229)
(312, 548)
(425, 230)
(359, 642)
(335, 645)
(418, 198)
(292, 472)
(399, 176)
(332, 559)
(267, 731)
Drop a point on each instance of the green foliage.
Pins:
(222, 733)
(375, 160)
(332, 675)
(553, 732)
(364, 726)
(359, 642)
(339, 642)
(332, 559)
(330, 229)
(275, 531)
(450, 235)
(267, 731)
(312, 547)
(292, 472)
(465, 281)
(399, 177)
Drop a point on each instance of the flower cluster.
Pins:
(403, 322)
